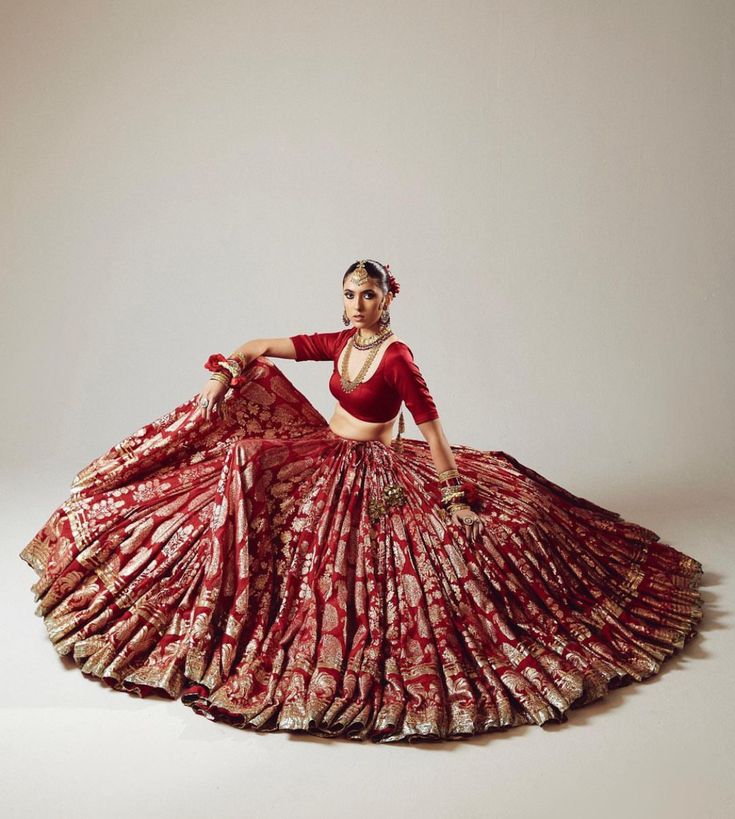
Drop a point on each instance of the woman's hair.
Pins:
(375, 271)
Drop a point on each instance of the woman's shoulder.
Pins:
(328, 336)
(319, 346)
(339, 333)
(398, 358)
(400, 348)
(326, 333)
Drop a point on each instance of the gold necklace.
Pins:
(361, 343)
(347, 384)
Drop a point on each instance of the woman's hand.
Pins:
(212, 395)
(468, 520)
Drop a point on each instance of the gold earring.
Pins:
(345, 320)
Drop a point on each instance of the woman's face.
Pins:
(365, 304)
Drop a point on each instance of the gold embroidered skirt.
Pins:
(275, 576)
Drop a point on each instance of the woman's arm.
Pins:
(276, 347)
(441, 452)
(443, 457)
(214, 391)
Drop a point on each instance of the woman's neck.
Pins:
(369, 333)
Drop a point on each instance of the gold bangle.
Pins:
(448, 473)
(454, 501)
(232, 368)
(239, 362)
(451, 490)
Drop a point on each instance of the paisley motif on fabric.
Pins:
(275, 576)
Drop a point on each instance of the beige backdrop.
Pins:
(552, 184)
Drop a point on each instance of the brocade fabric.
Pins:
(275, 576)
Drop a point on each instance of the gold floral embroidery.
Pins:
(227, 563)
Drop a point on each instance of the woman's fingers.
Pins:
(474, 528)
(210, 398)
(204, 404)
(471, 529)
(211, 408)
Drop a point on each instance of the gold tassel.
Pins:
(397, 442)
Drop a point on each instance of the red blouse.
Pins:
(379, 398)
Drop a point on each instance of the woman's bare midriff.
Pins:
(345, 425)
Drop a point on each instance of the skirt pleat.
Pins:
(275, 576)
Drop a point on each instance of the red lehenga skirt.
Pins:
(276, 576)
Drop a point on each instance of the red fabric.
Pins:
(275, 576)
(397, 379)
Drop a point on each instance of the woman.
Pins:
(279, 572)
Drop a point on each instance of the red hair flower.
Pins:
(393, 286)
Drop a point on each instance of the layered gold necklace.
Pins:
(356, 341)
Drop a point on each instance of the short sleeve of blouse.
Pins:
(404, 374)
(315, 346)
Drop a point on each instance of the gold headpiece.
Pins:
(359, 274)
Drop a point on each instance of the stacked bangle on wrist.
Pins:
(227, 371)
(452, 491)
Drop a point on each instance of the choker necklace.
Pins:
(374, 341)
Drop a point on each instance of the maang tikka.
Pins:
(359, 274)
